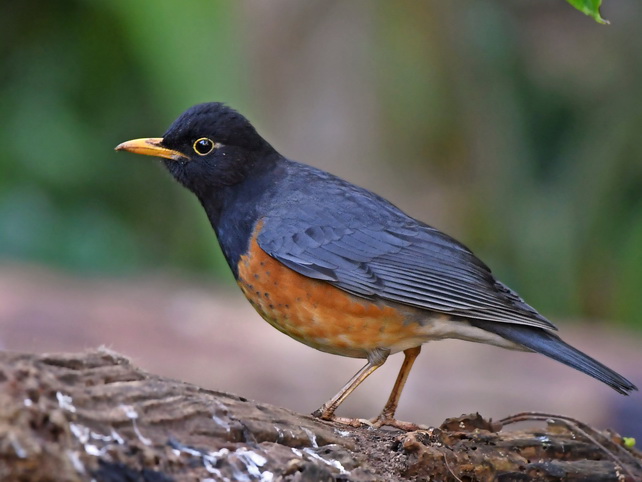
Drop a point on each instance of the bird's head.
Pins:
(209, 146)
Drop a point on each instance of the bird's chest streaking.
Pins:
(320, 315)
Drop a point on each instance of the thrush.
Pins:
(338, 267)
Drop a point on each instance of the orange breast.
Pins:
(318, 314)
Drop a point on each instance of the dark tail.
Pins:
(552, 346)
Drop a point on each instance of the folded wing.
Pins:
(391, 256)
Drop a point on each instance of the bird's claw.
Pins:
(377, 422)
(387, 421)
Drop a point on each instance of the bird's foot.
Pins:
(377, 422)
(384, 420)
(351, 422)
(331, 417)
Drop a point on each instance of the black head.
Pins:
(209, 146)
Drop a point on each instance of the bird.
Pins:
(339, 268)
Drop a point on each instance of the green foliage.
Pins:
(590, 8)
(81, 77)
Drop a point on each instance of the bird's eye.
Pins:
(203, 146)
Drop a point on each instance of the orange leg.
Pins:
(387, 415)
(326, 412)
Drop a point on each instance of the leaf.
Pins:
(590, 8)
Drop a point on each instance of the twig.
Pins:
(449, 469)
(583, 430)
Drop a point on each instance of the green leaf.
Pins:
(629, 442)
(590, 8)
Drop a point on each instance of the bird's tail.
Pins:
(552, 346)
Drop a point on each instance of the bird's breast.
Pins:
(319, 314)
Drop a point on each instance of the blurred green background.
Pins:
(513, 125)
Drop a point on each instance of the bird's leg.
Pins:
(326, 412)
(387, 415)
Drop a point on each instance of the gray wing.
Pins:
(361, 244)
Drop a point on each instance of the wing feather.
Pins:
(368, 247)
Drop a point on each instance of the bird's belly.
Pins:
(320, 315)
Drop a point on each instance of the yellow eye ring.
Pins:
(203, 146)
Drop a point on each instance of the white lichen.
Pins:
(131, 414)
(312, 436)
(65, 402)
(74, 458)
(332, 463)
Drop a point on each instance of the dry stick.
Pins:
(580, 426)
(449, 469)
(583, 430)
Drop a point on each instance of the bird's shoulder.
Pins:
(314, 214)
(306, 197)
